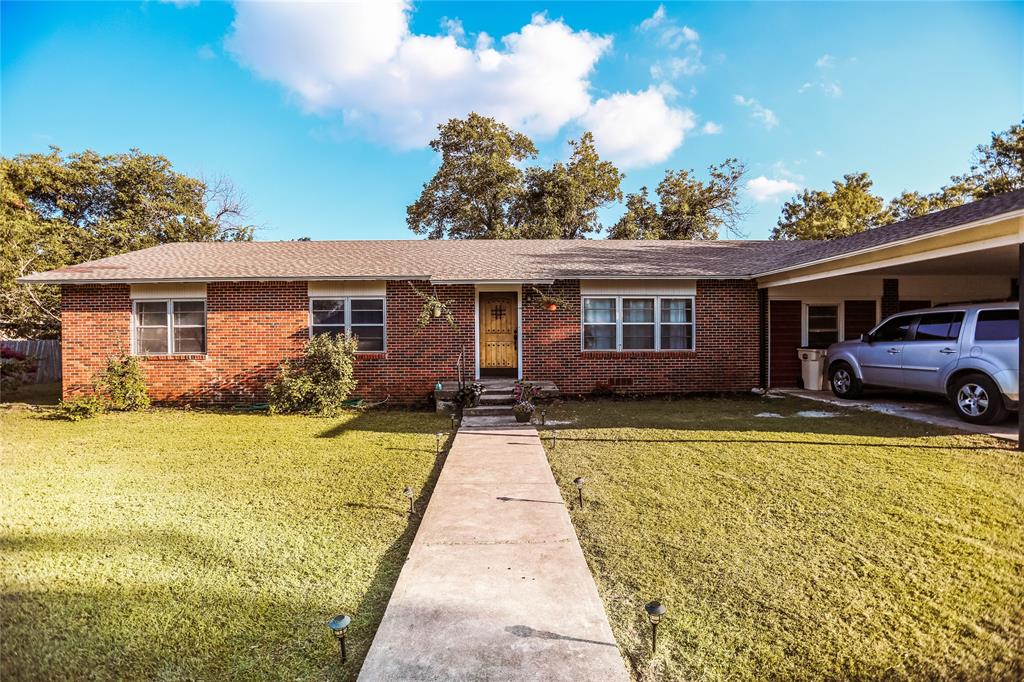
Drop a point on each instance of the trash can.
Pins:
(812, 361)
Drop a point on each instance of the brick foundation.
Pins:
(253, 326)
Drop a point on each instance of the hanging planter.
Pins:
(547, 301)
(434, 308)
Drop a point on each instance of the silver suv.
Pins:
(968, 353)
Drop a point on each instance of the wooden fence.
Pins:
(46, 353)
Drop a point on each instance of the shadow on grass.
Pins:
(389, 421)
(124, 626)
(775, 441)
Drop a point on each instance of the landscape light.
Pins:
(408, 493)
(655, 611)
(578, 482)
(438, 437)
(554, 438)
(543, 417)
(338, 625)
(454, 422)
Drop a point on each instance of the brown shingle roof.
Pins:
(442, 260)
(483, 260)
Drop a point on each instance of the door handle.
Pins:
(893, 351)
(947, 351)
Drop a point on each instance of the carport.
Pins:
(833, 291)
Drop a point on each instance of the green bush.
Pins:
(123, 385)
(77, 409)
(319, 380)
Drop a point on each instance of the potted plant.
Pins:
(469, 394)
(547, 301)
(523, 411)
(433, 308)
(523, 393)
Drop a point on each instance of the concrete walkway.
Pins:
(496, 586)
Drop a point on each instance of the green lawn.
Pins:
(174, 545)
(859, 546)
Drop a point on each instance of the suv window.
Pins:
(939, 327)
(997, 325)
(895, 329)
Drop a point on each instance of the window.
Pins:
(677, 324)
(997, 325)
(822, 325)
(895, 329)
(599, 323)
(638, 323)
(170, 327)
(939, 327)
(363, 318)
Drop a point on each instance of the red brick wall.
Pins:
(725, 359)
(253, 326)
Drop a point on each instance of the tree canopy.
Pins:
(58, 210)
(850, 207)
(688, 208)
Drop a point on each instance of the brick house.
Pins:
(211, 322)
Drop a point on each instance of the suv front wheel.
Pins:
(844, 382)
(977, 399)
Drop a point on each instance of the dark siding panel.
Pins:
(913, 305)
(859, 317)
(784, 333)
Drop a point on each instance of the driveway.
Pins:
(917, 407)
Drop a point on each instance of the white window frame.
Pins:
(805, 324)
(169, 313)
(657, 323)
(346, 327)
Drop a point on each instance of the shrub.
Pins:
(123, 385)
(319, 380)
(15, 369)
(77, 409)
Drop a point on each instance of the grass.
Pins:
(172, 545)
(859, 546)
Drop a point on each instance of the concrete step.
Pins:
(496, 399)
(487, 411)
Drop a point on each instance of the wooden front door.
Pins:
(499, 337)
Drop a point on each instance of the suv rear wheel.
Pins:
(844, 381)
(977, 399)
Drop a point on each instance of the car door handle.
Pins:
(947, 351)
(893, 351)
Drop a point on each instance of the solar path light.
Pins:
(438, 436)
(408, 493)
(338, 625)
(578, 482)
(655, 611)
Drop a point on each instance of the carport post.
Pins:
(1020, 347)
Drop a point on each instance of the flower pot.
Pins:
(436, 312)
(552, 307)
(523, 417)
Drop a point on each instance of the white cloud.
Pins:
(765, 189)
(671, 36)
(364, 61)
(825, 61)
(638, 129)
(829, 86)
(711, 128)
(819, 153)
(674, 67)
(758, 111)
(205, 52)
(655, 20)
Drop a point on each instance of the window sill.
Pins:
(630, 353)
(372, 354)
(172, 357)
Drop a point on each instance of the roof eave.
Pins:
(1010, 215)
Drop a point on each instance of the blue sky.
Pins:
(320, 114)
